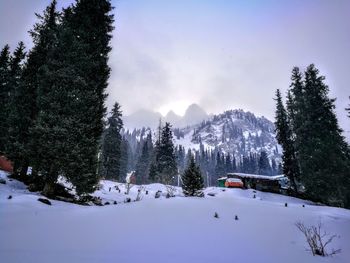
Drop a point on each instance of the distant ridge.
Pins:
(147, 118)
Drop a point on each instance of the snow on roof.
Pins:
(222, 178)
(233, 180)
(258, 176)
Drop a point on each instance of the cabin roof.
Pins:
(257, 176)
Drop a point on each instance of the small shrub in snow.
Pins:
(170, 190)
(317, 239)
(115, 202)
(44, 201)
(285, 204)
(236, 217)
(157, 195)
(10, 197)
(216, 215)
(127, 200)
(107, 203)
(139, 193)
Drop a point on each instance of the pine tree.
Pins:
(4, 96)
(180, 158)
(111, 146)
(284, 138)
(322, 151)
(144, 161)
(124, 159)
(44, 36)
(273, 167)
(228, 164)
(71, 103)
(219, 166)
(166, 161)
(234, 164)
(264, 164)
(192, 181)
(14, 149)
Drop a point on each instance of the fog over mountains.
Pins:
(147, 118)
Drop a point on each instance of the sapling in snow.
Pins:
(318, 239)
(192, 181)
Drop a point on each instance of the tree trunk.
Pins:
(50, 181)
(295, 187)
(49, 189)
(15, 168)
(24, 169)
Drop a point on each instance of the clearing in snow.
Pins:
(180, 229)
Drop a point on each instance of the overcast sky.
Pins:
(219, 54)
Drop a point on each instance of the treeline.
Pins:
(316, 157)
(146, 154)
(52, 96)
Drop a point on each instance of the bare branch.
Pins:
(315, 239)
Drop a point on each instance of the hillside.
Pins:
(180, 229)
(236, 132)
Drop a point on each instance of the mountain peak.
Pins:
(194, 114)
(194, 107)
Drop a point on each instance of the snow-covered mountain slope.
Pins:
(193, 115)
(235, 131)
(180, 229)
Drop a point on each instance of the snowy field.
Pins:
(179, 229)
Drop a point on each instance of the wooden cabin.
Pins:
(260, 182)
(230, 182)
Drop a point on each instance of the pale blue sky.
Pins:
(220, 54)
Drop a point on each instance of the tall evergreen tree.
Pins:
(273, 167)
(124, 159)
(284, 138)
(192, 181)
(219, 166)
(323, 153)
(14, 149)
(4, 96)
(71, 109)
(163, 166)
(228, 164)
(111, 146)
(144, 161)
(44, 36)
(264, 164)
(166, 164)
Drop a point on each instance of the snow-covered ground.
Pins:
(179, 229)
